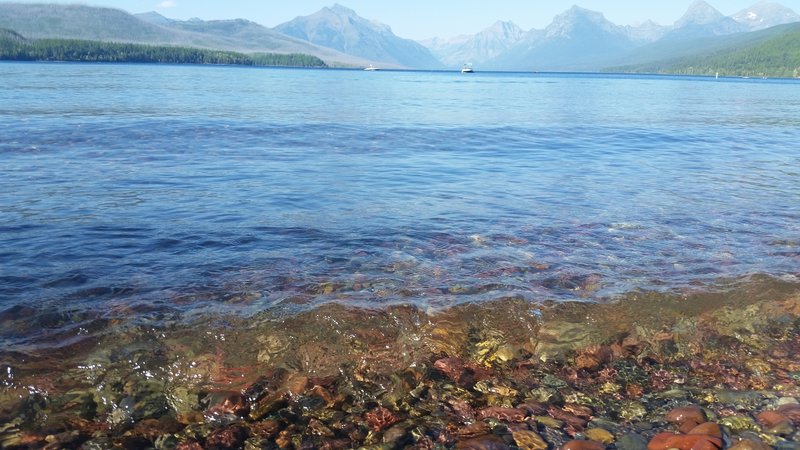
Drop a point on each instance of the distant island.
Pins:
(15, 47)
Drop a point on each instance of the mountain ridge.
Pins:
(114, 25)
(479, 48)
(341, 29)
(765, 14)
(701, 20)
(773, 52)
(578, 39)
(596, 42)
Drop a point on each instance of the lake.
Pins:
(142, 200)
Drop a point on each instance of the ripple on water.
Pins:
(195, 196)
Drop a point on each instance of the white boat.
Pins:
(371, 68)
(467, 69)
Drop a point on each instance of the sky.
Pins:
(421, 19)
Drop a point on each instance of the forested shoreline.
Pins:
(775, 56)
(14, 47)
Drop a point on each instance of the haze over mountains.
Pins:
(577, 39)
(107, 24)
(581, 39)
(340, 28)
(479, 48)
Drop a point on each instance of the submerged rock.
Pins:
(600, 435)
(583, 445)
(631, 441)
(665, 441)
(228, 438)
(708, 428)
(502, 414)
(483, 443)
(381, 418)
(791, 411)
(632, 410)
(750, 444)
(686, 418)
(740, 423)
(338, 378)
(529, 440)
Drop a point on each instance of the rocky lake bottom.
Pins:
(696, 370)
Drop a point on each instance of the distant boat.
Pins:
(467, 69)
(371, 68)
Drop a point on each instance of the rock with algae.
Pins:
(740, 423)
(632, 410)
(529, 440)
(599, 435)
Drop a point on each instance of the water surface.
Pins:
(240, 190)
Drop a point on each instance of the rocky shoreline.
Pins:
(700, 371)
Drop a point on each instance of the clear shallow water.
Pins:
(217, 189)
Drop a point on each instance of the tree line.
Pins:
(14, 47)
(777, 57)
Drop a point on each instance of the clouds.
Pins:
(167, 4)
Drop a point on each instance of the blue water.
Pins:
(224, 189)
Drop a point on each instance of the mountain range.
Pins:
(340, 28)
(479, 48)
(772, 52)
(581, 39)
(578, 39)
(107, 24)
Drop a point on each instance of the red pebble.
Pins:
(462, 410)
(380, 418)
(593, 357)
(224, 402)
(533, 408)
(190, 445)
(772, 419)
(665, 441)
(227, 438)
(460, 371)
(473, 430)
(708, 428)
(489, 442)
(583, 445)
(573, 420)
(686, 417)
(791, 411)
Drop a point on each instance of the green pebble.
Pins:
(549, 422)
(631, 442)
